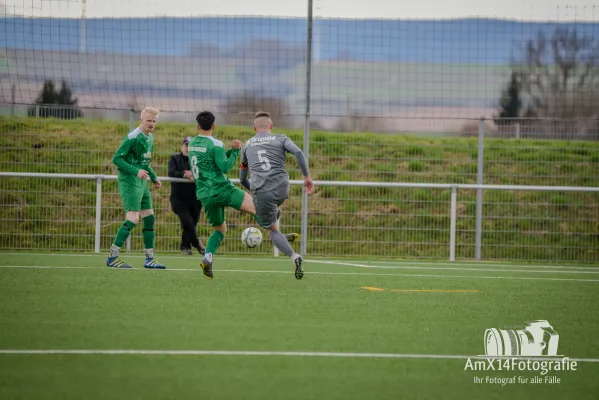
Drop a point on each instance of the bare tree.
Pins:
(559, 74)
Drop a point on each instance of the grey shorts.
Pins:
(267, 205)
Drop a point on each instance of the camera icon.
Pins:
(537, 338)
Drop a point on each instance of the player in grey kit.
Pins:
(263, 156)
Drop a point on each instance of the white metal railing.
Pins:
(453, 203)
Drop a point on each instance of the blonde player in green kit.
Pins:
(133, 164)
(209, 164)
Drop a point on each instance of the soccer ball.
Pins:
(251, 237)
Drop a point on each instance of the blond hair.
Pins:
(150, 110)
(262, 120)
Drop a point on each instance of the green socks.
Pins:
(214, 242)
(123, 233)
(148, 231)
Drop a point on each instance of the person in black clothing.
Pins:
(183, 200)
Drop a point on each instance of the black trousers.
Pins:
(189, 215)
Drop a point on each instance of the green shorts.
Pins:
(135, 197)
(214, 206)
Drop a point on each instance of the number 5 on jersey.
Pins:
(264, 160)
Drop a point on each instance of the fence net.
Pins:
(375, 66)
(59, 214)
(396, 96)
(351, 221)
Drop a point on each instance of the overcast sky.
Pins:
(530, 10)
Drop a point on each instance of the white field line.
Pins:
(448, 268)
(316, 260)
(321, 273)
(444, 267)
(463, 264)
(343, 264)
(278, 353)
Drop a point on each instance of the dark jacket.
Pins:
(181, 192)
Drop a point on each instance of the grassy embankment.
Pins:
(385, 222)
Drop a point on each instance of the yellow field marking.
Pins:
(436, 290)
(374, 289)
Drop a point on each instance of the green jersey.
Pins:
(209, 164)
(135, 153)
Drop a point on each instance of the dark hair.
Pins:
(205, 119)
(260, 114)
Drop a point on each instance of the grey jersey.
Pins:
(264, 157)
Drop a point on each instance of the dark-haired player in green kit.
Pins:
(209, 164)
(133, 164)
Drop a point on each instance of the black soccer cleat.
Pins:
(207, 268)
(297, 267)
(186, 252)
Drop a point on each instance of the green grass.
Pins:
(520, 225)
(257, 305)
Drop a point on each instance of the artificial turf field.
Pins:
(73, 329)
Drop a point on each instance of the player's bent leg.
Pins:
(248, 204)
(243, 201)
(149, 220)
